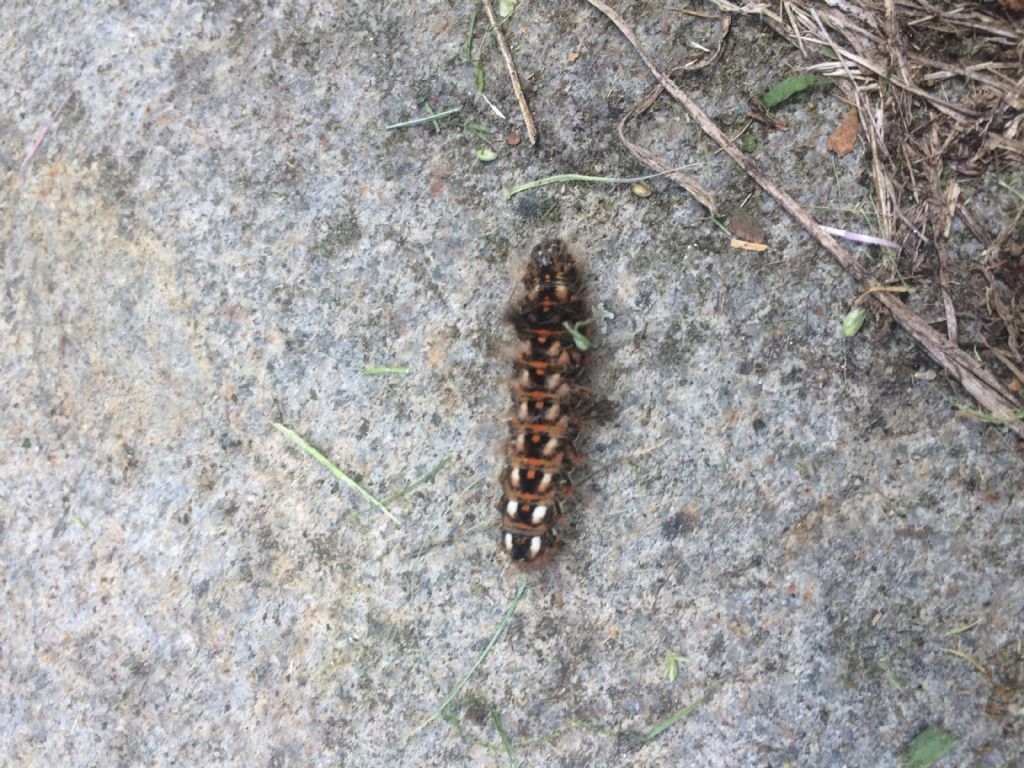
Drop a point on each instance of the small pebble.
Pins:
(641, 190)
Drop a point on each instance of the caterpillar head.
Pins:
(551, 262)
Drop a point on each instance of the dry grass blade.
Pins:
(651, 160)
(531, 129)
(918, 71)
(980, 383)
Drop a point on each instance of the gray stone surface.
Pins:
(218, 234)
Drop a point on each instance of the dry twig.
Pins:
(914, 66)
(651, 160)
(980, 383)
(531, 129)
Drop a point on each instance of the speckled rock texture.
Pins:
(218, 233)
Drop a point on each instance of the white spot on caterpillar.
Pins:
(545, 482)
(535, 544)
(539, 513)
(508, 542)
(513, 477)
(511, 508)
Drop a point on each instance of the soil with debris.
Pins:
(217, 233)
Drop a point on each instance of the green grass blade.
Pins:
(659, 728)
(426, 477)
(420, 120)
(721, 226)
(496, 719)
(467, 50)
(311, 451)
(669, 721)
(476, 665)
(580, 177)
(1008, 188)
(990, 418)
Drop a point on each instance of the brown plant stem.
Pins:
(980, 383)
(531, 129)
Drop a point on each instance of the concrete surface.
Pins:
(218, 233)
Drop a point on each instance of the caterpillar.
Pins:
(545, 393)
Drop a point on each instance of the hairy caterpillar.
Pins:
(545, 394)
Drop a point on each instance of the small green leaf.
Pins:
(853, 321)
(749, 144)
(582, 342)
(486, 155)
(672, 666)
(506, 8)
(779, 92)
(928, 747)
(889, 676)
